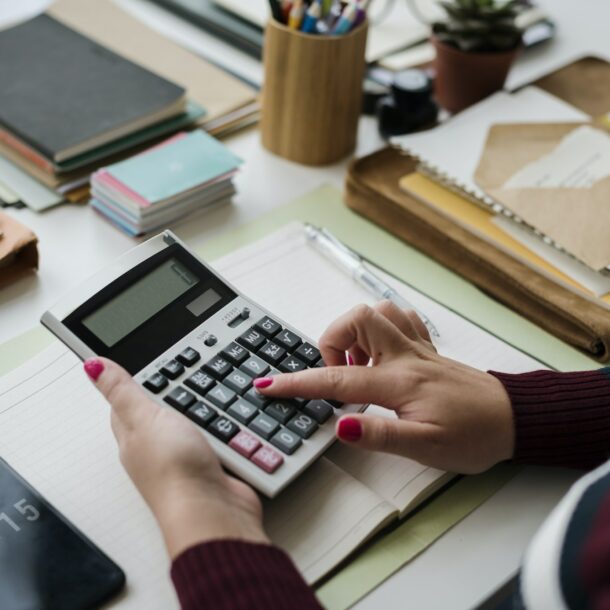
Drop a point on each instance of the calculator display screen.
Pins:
(141, 301)
(149, 308)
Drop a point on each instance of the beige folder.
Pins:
(576, 219)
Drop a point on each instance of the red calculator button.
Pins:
(245, 443)
(267, 459)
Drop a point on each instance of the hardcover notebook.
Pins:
(63, 94)
(55, 430)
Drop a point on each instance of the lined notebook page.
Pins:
(55, 431)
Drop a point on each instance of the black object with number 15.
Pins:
(45, 562)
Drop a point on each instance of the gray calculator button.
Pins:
(218, 367)
(156, 382)
(272, 352)
(180, 399)
(268, 327)
(200, 382)
(282, 410)
(319, 410)
(251, 339)
(224, 429)
(172, 369)
(235, 353)
(255, 366)
(291, 365)
(242, 411)
(263, 425)
(221, 396)
(288, 339)
(238, 381)
(201, 414)
(303, 425)
(286, 441)
(308, 353)
(188, 356)
(256, 398)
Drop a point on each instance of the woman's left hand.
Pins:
(174, 467)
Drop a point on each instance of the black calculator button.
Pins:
(272, 353)
(200, 382)
(180, 399)
(308, 353)
(256, 398)
(268, 327)
(291, 365)
(288, 339)
(188, 356)
(264, 426)
(303, 425)
(242, 411)
(235, 353)
(335, 403)
(155, 383)
(300, 402)
(286, 441)
(223, 428)
(221, 396)
(319, 410)
(217, 367)
(251, 339)
(320, 364)
(172, 369)
(282, 410)
(238, 381)
(201, 414)
(255, 366)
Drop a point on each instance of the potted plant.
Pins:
(475, 47)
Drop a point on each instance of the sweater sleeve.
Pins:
(561, 419)
(237, 575)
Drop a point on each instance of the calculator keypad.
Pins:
(221, 398)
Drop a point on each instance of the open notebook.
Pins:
(54, 429)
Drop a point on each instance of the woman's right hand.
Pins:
(450, 416)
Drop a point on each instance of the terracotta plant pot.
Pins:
(463, 78)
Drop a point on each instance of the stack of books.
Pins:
(69, 102)
(186, 174)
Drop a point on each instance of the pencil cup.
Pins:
(312, 95)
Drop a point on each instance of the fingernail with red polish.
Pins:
(350, 360)
(262, 382)
(349, 429)
(94, 368)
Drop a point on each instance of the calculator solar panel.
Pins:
(196, 345)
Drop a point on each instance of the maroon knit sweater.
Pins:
(561, 419)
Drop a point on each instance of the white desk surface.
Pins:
(483, 551)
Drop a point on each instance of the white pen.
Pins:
(351, 262)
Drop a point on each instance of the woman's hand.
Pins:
(450, 416)
(174, 468)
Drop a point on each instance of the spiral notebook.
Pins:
(450, 153)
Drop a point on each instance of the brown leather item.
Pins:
(18, 250)
(372, 190)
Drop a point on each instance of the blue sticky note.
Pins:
(175, 167)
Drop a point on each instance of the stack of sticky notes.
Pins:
(185, 174)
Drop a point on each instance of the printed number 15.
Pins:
(27, 510)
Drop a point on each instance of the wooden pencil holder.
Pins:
(312, 96)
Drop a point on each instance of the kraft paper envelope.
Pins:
(577, 219)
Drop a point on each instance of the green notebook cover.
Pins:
(173, 168)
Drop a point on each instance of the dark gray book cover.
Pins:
(61, 91)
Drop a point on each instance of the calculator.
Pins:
(196, 343)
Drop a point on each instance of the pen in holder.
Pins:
(312, 95)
